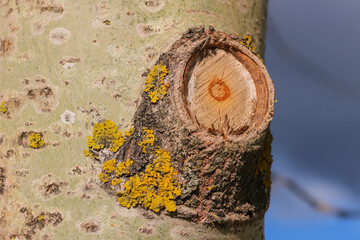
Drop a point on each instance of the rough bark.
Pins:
(66, 65)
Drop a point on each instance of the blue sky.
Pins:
(316, 125)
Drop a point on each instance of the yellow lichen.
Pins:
(88, 154)
(264, 162)
(36, 140)
(129, 132)
(3, 107)
(120, 170)
(110, 166)
(104, 135)
(115, 181)
(148, 139)
(155, 188)
(123, 167)
(247, 41)
(104, 177)
(41, 217)
(155, 85)
(107, 22)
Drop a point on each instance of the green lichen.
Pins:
(104, 135)
(156, 188)
(265, 160)
(155, 85)
(36, 140)
(3, 107)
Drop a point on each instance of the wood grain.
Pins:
(221, 93)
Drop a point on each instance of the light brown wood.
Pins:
(221, 93)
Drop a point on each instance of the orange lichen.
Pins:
(148, 138)
(156, 188)
(36, 140)
(155, 85)
(3, 107)
(104, 135)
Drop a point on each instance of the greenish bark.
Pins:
(66, 65)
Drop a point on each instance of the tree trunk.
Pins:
(187, 156)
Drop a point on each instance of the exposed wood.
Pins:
(221, 92)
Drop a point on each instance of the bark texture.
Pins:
(66, 65)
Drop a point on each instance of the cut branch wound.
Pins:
(198, 136)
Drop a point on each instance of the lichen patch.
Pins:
(59, 35)
(36, 140)
(3, 107)
(155, 85)
(105, 135)
(31, 139)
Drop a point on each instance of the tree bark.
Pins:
(195, 138)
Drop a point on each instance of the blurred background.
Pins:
(312, 54)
